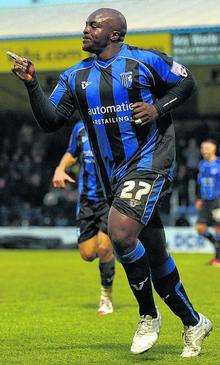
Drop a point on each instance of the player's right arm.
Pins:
(47, 114)
(60, 176)
(69, 158)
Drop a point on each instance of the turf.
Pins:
(48, 302)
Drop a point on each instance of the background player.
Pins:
(208, 202)
(92, 211)
(125, 96)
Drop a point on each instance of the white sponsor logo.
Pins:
(179, 69)
(104, 113)
(84, 84)
(126, 79)
(140, 285)
(123, 107)
(112, 120)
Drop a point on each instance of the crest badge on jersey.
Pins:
(126, 79)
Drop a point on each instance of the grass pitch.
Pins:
(48, 302)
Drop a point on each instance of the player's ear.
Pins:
(115, 37)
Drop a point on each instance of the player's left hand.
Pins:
(144, 113)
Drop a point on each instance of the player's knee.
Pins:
(87, 255)
(122, 240)
(201, 228)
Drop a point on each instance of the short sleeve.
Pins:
(74, 145)
(170, 71)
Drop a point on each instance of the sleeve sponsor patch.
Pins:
(179, 69)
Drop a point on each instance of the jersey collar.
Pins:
(106, 63)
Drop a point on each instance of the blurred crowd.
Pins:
(27, 162)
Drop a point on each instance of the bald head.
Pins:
(105, 30)
(116, 18)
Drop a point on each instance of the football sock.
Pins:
(107, 272)
(167, 284)
(217, 246)
(210, 237)
(215, 240)
(137, 269)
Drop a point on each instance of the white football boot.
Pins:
(146, 334)
(105, 304)
(193, 336)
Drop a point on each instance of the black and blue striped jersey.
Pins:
(104, 91)
(209, 179)
(88, 182)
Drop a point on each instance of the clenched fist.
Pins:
(144, 113)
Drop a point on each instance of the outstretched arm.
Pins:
(45, 113)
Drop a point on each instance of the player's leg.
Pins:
(216, 261)
(164, 272)
(87, 240)
(135, 199)
(205, 220)
(202, 229)
(215, 222)
(166, 277)
(124, 231)
(88, 248)
(167, 283)
(107, 272)
(105, 254)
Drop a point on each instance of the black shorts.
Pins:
(210, 213)
(91, 218)
(139, 193)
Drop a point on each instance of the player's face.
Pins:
(208, 150)
(97, 33)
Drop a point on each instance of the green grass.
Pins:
(48, 302)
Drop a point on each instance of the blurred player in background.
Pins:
(92, 211)
(208, 202)
(125, 95)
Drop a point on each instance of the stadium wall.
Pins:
(188, 46)
(181, 239)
